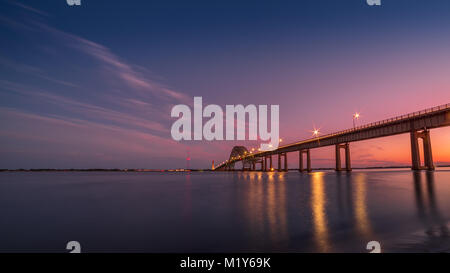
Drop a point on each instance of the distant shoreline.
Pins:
(186, 170)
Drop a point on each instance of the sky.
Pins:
(92, 86)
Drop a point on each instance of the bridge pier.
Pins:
(300, 161)
(267, 167)
(427, 153)
(284, 155)
(279, 162)
(348, 166)
(285, 162)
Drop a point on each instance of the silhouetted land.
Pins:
(100, 170)
(182, 170)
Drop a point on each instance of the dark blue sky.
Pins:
(92, 86)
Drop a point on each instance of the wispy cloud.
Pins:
(87, 110)
(123, 108)
(128, 73)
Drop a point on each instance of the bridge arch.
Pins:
(248, 163)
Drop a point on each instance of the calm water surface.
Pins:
(225, 212)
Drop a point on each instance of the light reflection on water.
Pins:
(361, 213)
(318, 203)
(219, 212)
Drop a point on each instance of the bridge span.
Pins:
(417, 124)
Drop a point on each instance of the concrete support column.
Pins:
(279, 162)
(415, 156)
(301, 167)
(282, 156)
(285, 162)
(338, 158)
(270, 162)
(348, 161)
(300, 161)
(308, 159)
(427, 152)
(262, 164)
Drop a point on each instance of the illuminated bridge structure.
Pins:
(417, 124)
(240, 152)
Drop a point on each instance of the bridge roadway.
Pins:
(417, 124)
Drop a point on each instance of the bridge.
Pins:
(417, 124)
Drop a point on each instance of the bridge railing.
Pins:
(402, 117)
(378, 123)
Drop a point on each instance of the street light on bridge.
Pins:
(316, 132)
(355, 116)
